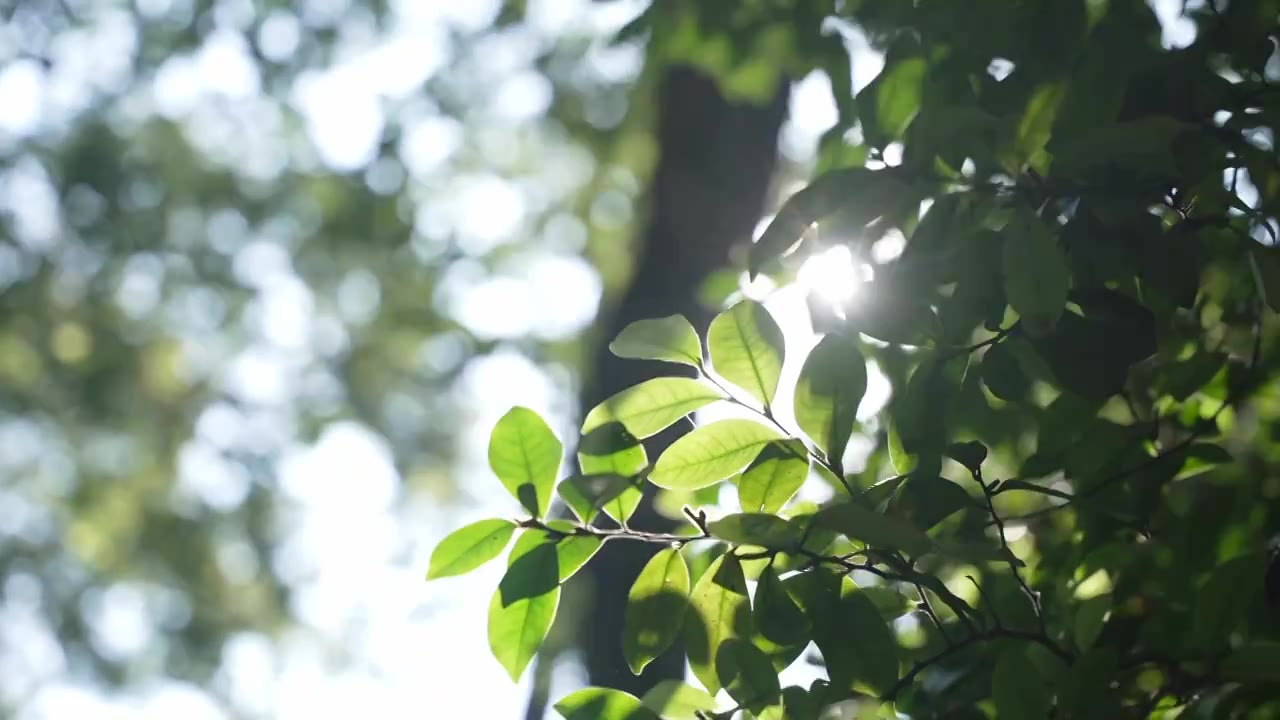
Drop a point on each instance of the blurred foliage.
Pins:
(1065, 219)
(225, 226)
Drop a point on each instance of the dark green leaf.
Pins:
(831, 385)
(1091, 615)
(759, 529)
(1018, 690)
(876, 495)
(746, 348)
(470, 547)
(670, 338)
(970, 454)
(1256, 663)
(926, 500)
(747, 674)
(721, 611)
(656, 605)
(875, 529)
(526, 455)
(587, 494)
(782, 630)
(710, 454)
(1002, 374)
(1036, 275)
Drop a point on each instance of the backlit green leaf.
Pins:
(595, 703)
(525, 455)
(674, 700)
(652, 406)
(710, 454)
(587, 494)
(572, 550)
(831, 385)
(470, 547)
(522, 609)
(721, 611)
(773, 478)
(669, 338)
(1091, 615)
(655, 607)
(746, 348)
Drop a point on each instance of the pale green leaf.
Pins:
(720, 610)
(711, 453)
(655, 608)
(831, 385)
(469, 547)
(746, 347)
(525, 455)
(652, 406)
(595, 703)
(669, 338)
(1036, 124)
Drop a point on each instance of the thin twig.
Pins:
(1004, 545)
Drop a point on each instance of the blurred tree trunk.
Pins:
(716, 162)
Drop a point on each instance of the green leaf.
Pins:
(926, 500)
(587, 494)
(897, 94)
(871, 527)
(674, 700)
(781, 628)
(655, 608)
(525, 455)
(710, 454)
(1036, 124)
(611, 450)
(773, 478)
(669, 338)
(875, 496)
(720, 611)
(596, 703)
(970, 454)
(976, 552)
(470, 547)
(572, 551)
(1002, 374)
(522, 609)
(1018, 690)
(652, 406)
(860, 195)
(760, 529)
(831, 385)
(1090, 617)
(746, 348)
(747, 674)
(1256, 663)
(1036, 275)
(875, 649)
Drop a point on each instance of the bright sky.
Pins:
(375, 640)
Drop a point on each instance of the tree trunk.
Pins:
(717, 161)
